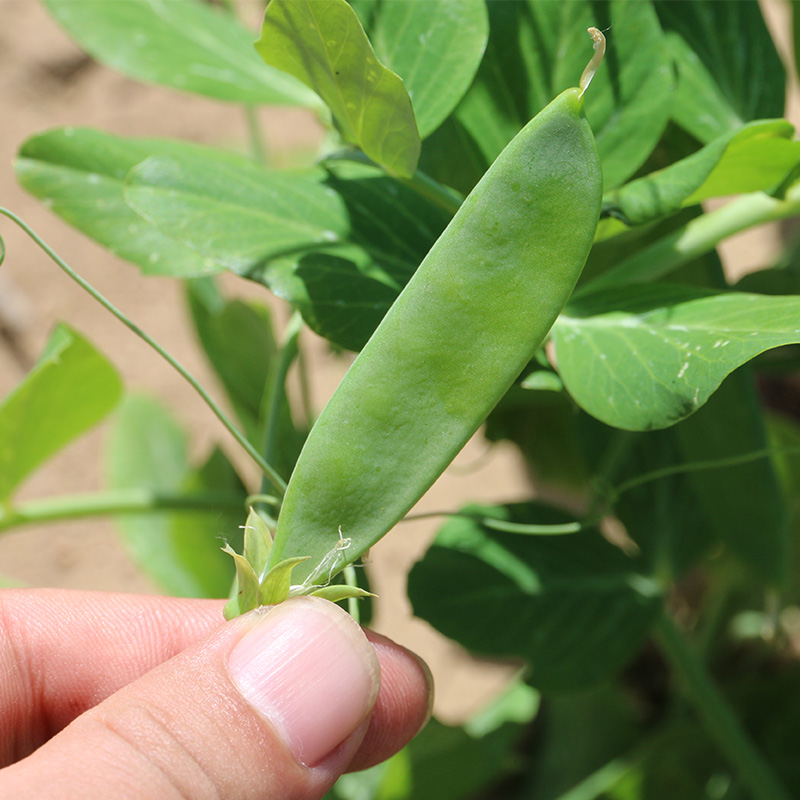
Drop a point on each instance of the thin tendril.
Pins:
(273, 477)
(606, 503)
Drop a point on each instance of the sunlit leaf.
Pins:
(184, 44)
(322, 43)
(644, 357)
(70, 390)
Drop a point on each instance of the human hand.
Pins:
(127, 696)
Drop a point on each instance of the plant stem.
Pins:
(120, 501)
(697, 237)
(277, 388)
(719, 718)
(277, 482)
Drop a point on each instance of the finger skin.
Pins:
(62, 653)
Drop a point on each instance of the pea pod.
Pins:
(467, 323)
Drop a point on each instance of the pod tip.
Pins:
(599, 41)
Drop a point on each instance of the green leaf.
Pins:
(378, 228)
(148, 449)
(574, 607)
(339, 592)
(646, 356)
(537, 50)
(79, 173)
(757, 157)
(257, 542)
(728, 69)
(542, 424)
(322, 43)
(580, 733)
(184, 44)
(435, 47)
(247, 588)
(663, 516)
(235, 212)
(237, 339)
(277, 582)
(744, 504)
(70, 390)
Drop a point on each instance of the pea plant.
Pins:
(510, 246)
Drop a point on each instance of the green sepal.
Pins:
(257, 542)
(247, 589)
(339, 592)
(277, 582)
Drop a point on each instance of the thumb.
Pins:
(272, 704)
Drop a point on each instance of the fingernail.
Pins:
(308, 669)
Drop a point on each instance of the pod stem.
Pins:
(272, 476)
(599, 51)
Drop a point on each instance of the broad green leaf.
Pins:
(646, 356)
(379, 231)
(435, 47)
(236, 213)
(743, 503)
(237, 339)
(147, 449)
(70, 390)
(537, 50)
(79, 173)
(728, 69)
(322, 43)
(184, 44)
(757, 157)
(698, 104)
(574, 607)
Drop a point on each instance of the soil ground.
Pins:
(45, 82)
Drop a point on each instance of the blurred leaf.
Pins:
(435, 47)
(744, 504)
(238, 341)
(537, 50)
(236, 213)
(184, 44)
(663, 516)
(71, 388)
(182, 551)
(322, 43)
(644, 357)
(574, 607)
(580, 734)
(754, 158)
(7, 582)
(79, 174)
(542, 424)
(728, 69)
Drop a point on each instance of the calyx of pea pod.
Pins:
(257, 585)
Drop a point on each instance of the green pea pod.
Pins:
(465, 326)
